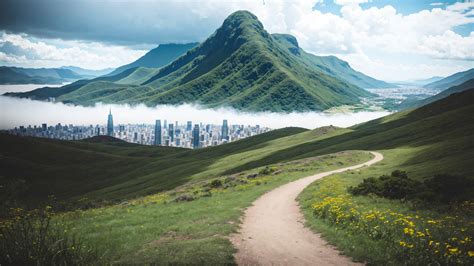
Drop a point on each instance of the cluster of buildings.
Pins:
(163, 133)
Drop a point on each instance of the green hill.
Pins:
(157, 57)
(455, 89)
(240, 65)
(330, 65)
(453, 80)
(437, 134)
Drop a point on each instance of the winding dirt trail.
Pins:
(273, 232)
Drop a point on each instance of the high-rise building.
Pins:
(44, 127)
(158, 132)
(171, 132)
(225, 130)
(189, 126)
(110, 124)
(196, 136)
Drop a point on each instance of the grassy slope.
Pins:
(152, 231)
(114, 171)
(435, 139)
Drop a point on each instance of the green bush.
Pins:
(31, 238)
(442, 188)
(395, 186)
(216, 183)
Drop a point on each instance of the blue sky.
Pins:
(390, 40)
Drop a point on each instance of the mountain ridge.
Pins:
(240, 65)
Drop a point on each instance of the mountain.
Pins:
(468, 85)
(10, 76)
(158, 57)
(452, 80)
(18, 75)
(240, 66)
(426, 81)
(88, 73)
(330, 65)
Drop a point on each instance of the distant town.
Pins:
(162, 133)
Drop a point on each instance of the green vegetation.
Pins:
(330, 65)
(33, 238)
(442, 188)
(240, 65)
(171, 203)
(190, 224)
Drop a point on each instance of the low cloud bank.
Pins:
(15, 112)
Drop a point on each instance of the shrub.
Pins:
(449, 188)
(184, 197)
(267, 170)
(33, 239)
(216, 183)
(442, 188)
(395, 186)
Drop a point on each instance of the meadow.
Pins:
(154, 204)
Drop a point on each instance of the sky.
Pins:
(393, 40)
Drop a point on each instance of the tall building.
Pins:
(225, 130)
(158, 132)
(171, 132)
(189, 126)
(196, 136)
(110, 124)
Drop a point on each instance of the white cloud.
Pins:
(23, 50)
(384, 36)
(350, 2)
(437, 4)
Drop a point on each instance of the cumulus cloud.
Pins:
(379, 33)
(20, 49)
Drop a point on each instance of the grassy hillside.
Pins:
(453, 80)
(439, 130)
(192, 213)
(240, 66)
(330, 65)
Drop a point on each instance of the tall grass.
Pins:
(33, 238)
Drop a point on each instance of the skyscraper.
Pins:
(171, 132)
(196, 136)
(225, 130)
(158, 132)
(110, 124)
(189, 126)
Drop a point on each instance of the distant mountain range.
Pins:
(427, 81)
(19, 75)
(158, 57)
(453, 80)
(330, 65)
(468, 85)
(240, 65)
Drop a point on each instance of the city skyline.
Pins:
(175, 134)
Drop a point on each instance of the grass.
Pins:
(389, 244)
(158, 229)
(430, 140)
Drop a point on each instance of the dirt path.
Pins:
(273, 229)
